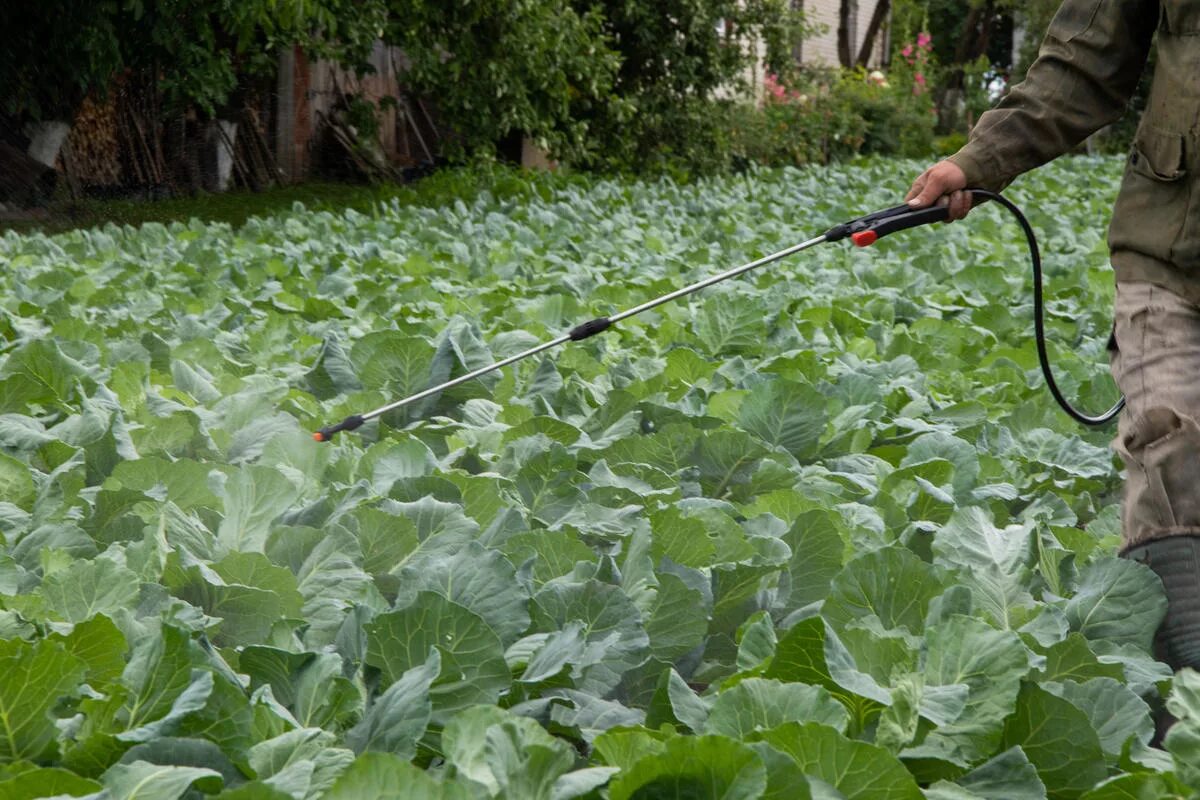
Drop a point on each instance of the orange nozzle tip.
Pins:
(320, 437)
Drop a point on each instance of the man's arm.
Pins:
(1085, 73)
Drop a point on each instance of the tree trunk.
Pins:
(846, 9)
(979, 16)
(798, 43)
(971, 44)
(882, 7)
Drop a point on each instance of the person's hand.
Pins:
(943, 183)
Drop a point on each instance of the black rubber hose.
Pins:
(1039, 324)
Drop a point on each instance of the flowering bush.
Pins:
(829, 115)
(916, 62)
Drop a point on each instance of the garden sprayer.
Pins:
(863, 232)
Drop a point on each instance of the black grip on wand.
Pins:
(867, 230)
(348, 424)
(589, 328)
(910, 219)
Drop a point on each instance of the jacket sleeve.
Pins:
(1088, 66)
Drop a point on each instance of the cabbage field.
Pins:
(818, 532)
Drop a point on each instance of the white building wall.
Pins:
(822, 48)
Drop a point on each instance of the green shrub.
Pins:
(949, 144)
(832, 115)
(898, 121)
(677, 59)
(500, 69)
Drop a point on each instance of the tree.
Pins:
(503, 68)
(54, 53)
(198, 52)
(676, 56)
(878, 17)
(847, 16)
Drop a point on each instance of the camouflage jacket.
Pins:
(1088, 66)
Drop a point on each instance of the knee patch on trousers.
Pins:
(1165, 447)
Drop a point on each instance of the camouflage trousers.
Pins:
(1155, 357)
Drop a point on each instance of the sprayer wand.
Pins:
(863, 231)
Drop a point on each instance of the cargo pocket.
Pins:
(1152, 205)
(1181, 17)
(1173, 463)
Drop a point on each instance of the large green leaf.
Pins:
(990, 663)
(614, 636)
(391, 361)
(512, 756)
(811, 653)
(971, 540)
(1183, 740)
(677, 619)
(958, 452)
(1007, 776)
(185, 752)
(726, 460)
(254, 497)
(312, 685)
(859, 771)
(16, 484)
(87, 588)
(183, 482)
(481, 580)
(300, 761)
(383, 776)
(100, 645)
(689, 767)
(1059, 740)
(46, 782)
(547, 484)
(331, 581)
(43, 372)
(680, 538)
(891, 584)
(396, 720)
(142, 780)
(34, 678)
(332, 373)
(159, 673)
(817, 556)
(246, 612)
(785, 414)
(1117, 714)
(472, 658)
(1067, 453)
(729, 325)
(1139, 786)
(1118, 600)
(757, 704)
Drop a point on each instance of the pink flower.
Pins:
(924, 40)
(919, 78)
(907, 51)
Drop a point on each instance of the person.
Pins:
(1088, 67)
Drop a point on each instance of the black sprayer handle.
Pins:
(865, 231)
(348, 424)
